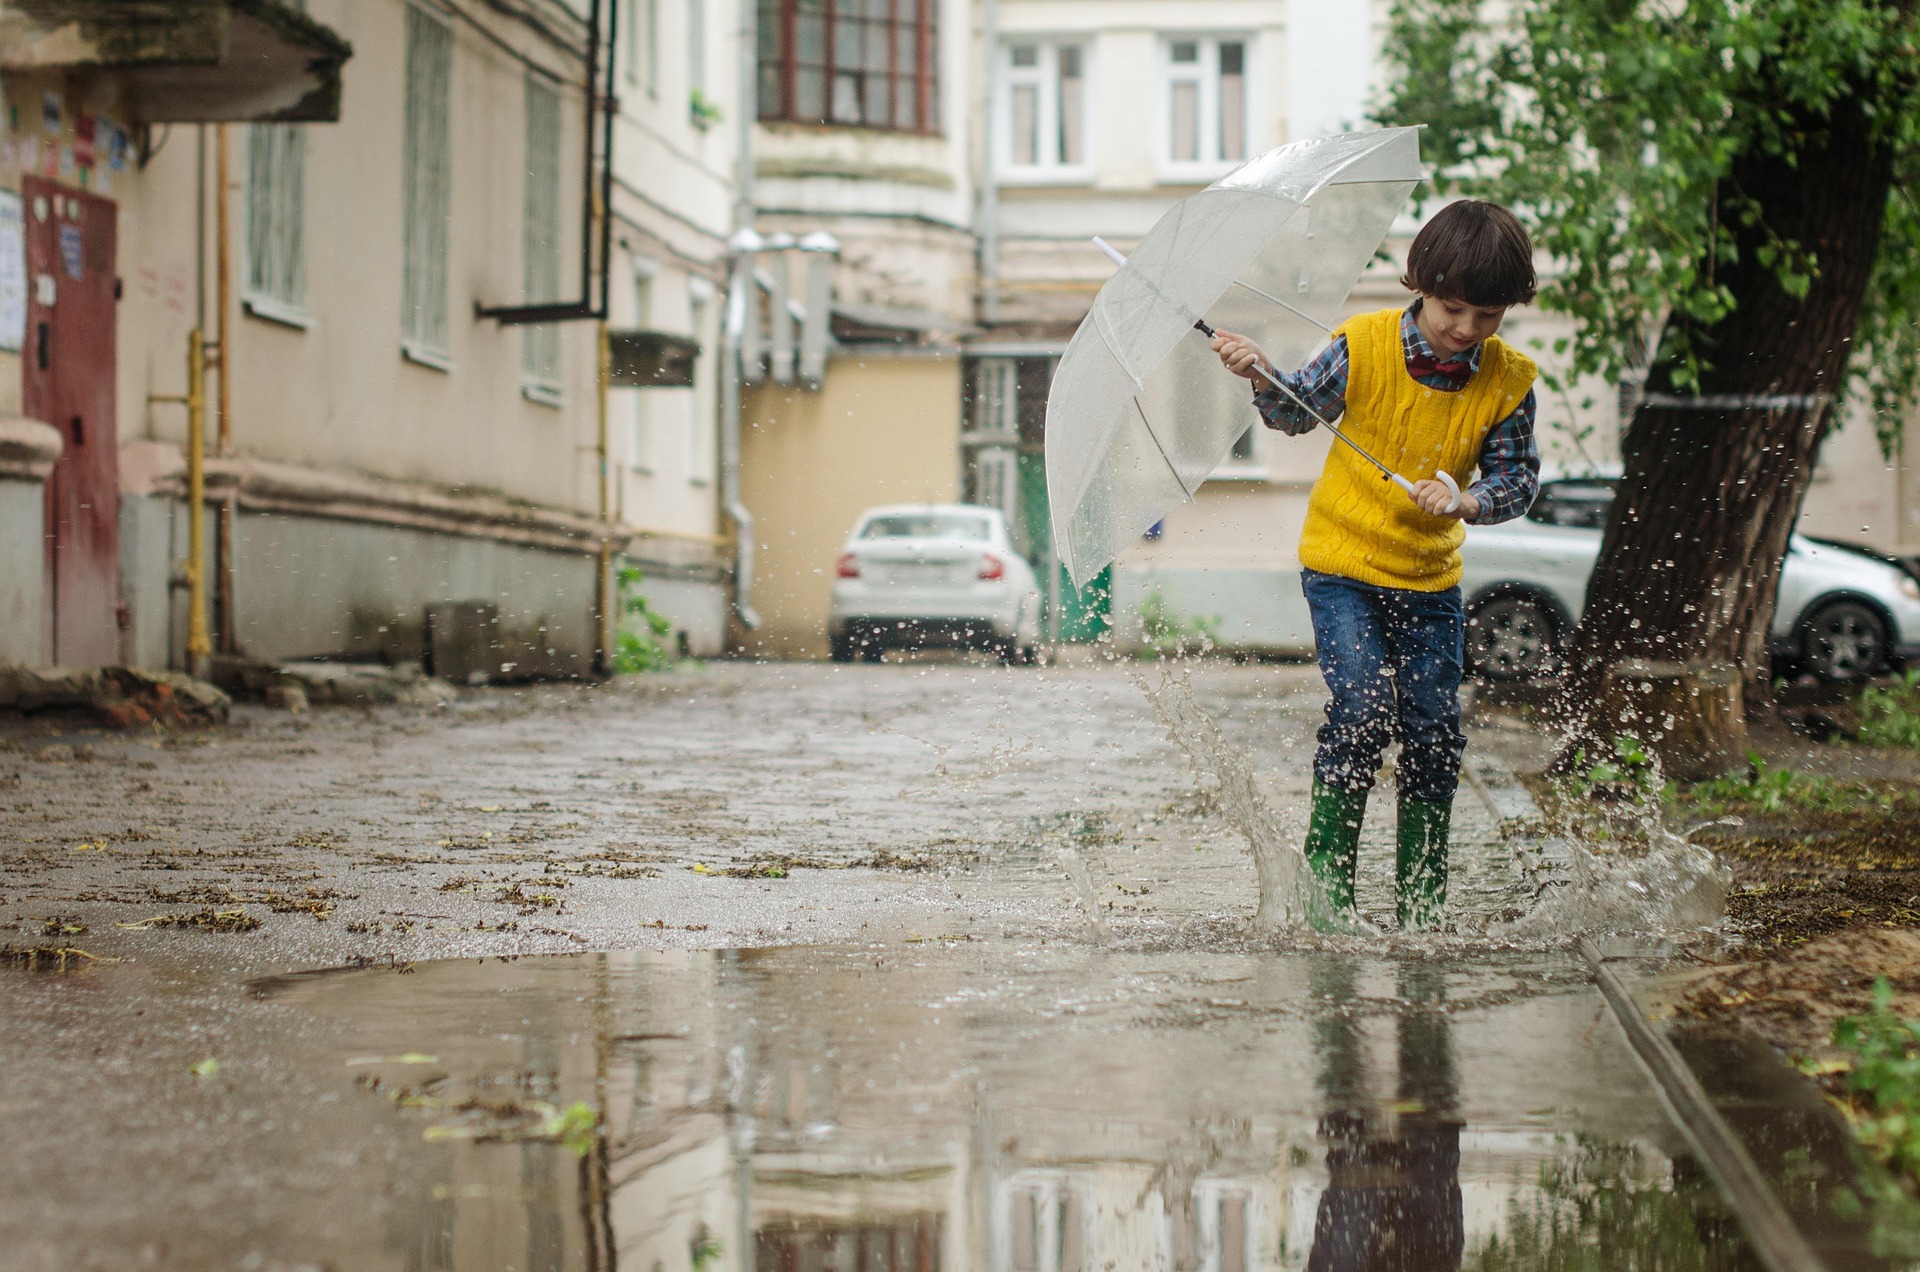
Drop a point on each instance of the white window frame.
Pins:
(426, 311)
(702, 436)
(275, 287)
(540, 241)
(1044, 78)
(1205, 73)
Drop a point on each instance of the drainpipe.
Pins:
(604, 618)
(739, 294)
(223, 344)
(198, 647)
(990, 169)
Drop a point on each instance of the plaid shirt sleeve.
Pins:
(1509, 467)
(1321, 384)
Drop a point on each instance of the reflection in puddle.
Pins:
(861, 1110)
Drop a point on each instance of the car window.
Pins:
(1582, 505)
(927, 525)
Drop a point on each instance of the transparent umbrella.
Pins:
(1141, 411)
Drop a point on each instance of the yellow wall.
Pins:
(883, 430)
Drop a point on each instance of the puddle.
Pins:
(1005, 1109)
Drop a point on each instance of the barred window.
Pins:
(427, 174)
(540, 238)
(276, 221)
(870, 63)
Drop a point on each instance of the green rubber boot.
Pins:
(1420, 874)
(1332, 851)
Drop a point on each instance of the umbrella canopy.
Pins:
(1140, 411)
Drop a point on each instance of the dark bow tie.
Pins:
(1423, 366)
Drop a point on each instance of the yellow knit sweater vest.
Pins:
(1364, 527)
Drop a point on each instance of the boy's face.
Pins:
(1453, 326)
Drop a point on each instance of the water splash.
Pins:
(1277, 864)
(1673, 887)
(1067, 853)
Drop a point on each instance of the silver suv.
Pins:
(1843, 613)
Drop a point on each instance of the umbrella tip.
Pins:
(1113, 253)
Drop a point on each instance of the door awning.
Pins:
(186, 61)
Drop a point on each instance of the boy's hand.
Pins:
(1433, 498)
(1239, 354)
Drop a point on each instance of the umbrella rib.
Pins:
(1164, 457)
(1284, 305)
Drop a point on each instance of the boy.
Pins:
(1426, 388)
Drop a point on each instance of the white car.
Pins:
(1842, 614)
(933, 574)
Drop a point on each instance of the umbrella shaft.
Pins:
(1328, 424)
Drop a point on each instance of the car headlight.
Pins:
(1908, 588)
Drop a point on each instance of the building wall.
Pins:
(884, 429)
(324, 394)
(23, 580)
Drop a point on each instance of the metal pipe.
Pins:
(198, 646)
(593, 202)
(990, 169)
(603, 578)
(223, 549)
(739, 295)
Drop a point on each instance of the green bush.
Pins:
(1891, 716)
(1770, 790)
(640, 643)
(1882, 1065)
(1165, 633)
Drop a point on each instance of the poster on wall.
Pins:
(13, 274)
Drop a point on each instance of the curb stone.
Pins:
(1543, 861)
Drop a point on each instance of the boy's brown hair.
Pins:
(1472, 251)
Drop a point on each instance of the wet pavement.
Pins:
(911, 968)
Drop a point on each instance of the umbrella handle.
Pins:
(1444, 477)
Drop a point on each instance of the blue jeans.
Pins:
(1391, 658)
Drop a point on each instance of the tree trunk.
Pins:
(1713, 483)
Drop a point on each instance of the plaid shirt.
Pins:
(1509, 461)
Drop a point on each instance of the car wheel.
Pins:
(1512, 637)
(871, 650)
(1843, 640)
(841, 648)
(1028, 656)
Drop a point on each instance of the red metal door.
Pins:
(69, 370)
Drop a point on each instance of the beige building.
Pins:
(867, 138)
(405, 416)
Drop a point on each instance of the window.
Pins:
(427, 174)
(1044, 110)
(640, 451)
(540, 240)
(276, 222)
(1206, 103)
(864, 62)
